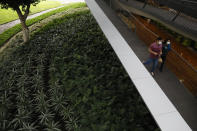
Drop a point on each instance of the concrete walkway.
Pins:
(6, 26)
(182, 99)
(181, 25)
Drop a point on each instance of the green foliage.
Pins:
(69, 78)
(186, 42)
(16, 3)
(5, 36)
(179, 38)
(195, 45)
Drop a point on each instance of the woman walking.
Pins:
(166, 47)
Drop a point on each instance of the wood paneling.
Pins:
(181, 60)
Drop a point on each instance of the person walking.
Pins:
(155, 50)
(166, 47)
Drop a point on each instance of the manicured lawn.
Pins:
(6, 35)
(68, 78)
(10, 15)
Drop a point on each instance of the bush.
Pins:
(186, 42)
(195, 45)
(179, 38)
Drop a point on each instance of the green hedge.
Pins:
(6, 35)
(69, 78)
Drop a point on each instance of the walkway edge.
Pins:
(161, 108)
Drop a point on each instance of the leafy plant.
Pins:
(186, 42)
(52, 126)
(28, 127)
(46, 117)
(195, 45)
(179, 38)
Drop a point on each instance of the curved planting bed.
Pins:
(69, 78)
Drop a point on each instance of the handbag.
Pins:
(160, 60)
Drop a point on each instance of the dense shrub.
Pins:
(69, 78)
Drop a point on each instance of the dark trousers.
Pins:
(162, 63)
(152, 60)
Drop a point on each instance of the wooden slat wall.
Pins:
(186, 74)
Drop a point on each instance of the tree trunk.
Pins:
(23, 18)
(25, 31)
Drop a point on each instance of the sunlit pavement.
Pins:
(70, 1)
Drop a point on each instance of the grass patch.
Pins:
(10, 15)
(6, 35)
(69, 78)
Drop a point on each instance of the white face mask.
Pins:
(168, 42)
(159, 42)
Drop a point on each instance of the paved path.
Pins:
(182, 25)
(70, 1)
(6, 26)
(182, 99)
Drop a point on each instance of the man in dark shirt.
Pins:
(165, 49)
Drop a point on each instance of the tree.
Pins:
(22, 8)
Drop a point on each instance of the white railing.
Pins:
(161, 108)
